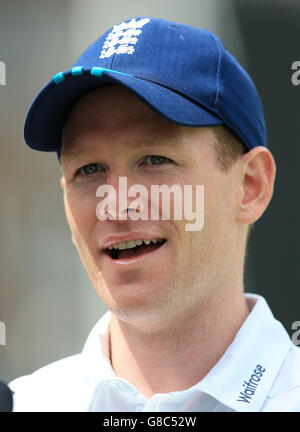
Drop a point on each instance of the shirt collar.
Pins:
(240, 380)
(244, 375)
(96, 351)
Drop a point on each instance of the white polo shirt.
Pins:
(260, 371)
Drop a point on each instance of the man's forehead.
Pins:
(70, 153)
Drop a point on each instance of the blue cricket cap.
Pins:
(183, 73)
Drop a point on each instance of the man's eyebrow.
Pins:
(73, 154)
(70, 155)
(162, 141)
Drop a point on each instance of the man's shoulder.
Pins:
(48, 384)
(55, 369)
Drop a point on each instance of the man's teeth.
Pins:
(133, 243)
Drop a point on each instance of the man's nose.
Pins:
(121, 206)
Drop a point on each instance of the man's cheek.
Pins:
(77, 226)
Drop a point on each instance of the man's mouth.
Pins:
(133, 248)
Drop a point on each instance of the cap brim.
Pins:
(45, 120)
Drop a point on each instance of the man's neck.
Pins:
(179, 357)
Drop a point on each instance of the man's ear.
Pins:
(257, 183)
(63, 186)
(62, 183)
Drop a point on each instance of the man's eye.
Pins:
(89, 169)
(157, 160)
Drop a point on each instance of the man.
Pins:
(159, 103)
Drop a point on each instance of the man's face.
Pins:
(112, 134)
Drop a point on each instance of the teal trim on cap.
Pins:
(98, 71)
(77, 70)
(59, 77)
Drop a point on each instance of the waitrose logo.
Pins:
(251, 385)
